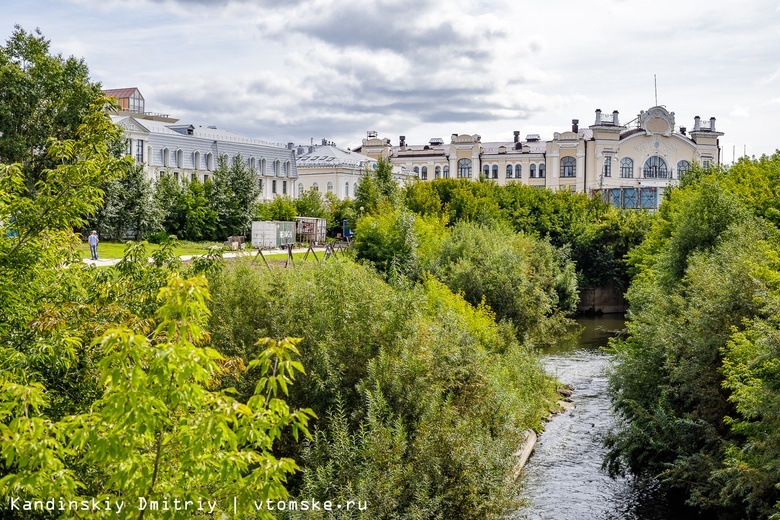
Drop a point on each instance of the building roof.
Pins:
(332, 156)
(121, 93)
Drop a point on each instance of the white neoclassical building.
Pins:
(628, 164)
(330, 169)
(166, 146)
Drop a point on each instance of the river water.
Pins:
(563, 478)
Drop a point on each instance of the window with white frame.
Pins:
(682, 168)
(607, 168)
(464, 168)
(532, 171)
(542, 172)
(518, 171)
(509, 171)
(655, 168)
(424, 173)
(626, 168)
(495, 171)
(568, 166)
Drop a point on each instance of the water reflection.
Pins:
(564, 479)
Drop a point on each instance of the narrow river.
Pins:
(563, 478)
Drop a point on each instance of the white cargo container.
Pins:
(270, 234)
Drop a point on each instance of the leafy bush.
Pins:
(421, 398)
(695, 383)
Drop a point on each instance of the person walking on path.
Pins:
(93, 242)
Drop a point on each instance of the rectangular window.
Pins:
(607, 166)
(284, 187)
(139, 151)
(273, 186)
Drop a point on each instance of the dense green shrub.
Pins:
(696, 384)
(522, 279)
(422, 398)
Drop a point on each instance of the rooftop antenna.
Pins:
(655, 84)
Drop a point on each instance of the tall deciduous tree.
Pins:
(43, 96)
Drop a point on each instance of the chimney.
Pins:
(696, 124)
(598, 117)
(574, 125)
(403, 140)
(615, 118)
(324, 142)
(517, 136)
(682, 130)
(712, 124)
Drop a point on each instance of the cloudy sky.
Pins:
(295, 70)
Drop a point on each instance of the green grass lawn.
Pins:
(110, 250)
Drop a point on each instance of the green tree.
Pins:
(43, 96)
(129, 207)
(280, 208)
(377, 186)
(233, 196)
(311, 204)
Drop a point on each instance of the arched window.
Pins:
(568, 166)
(424, 173)
(626, 168)
(533, 171)
(277, 168)
(287, 169)
(541, 171)
(518, 171)
(166, 157)
(416, 171)
(196, 160)
(607, 169)
(437, 172)
(654, 168)
(330, 187)
(300, 189)
(682, 168)
(179, 158)
(495, 171)
(464, 168)
(509, 171)
(262, 166)
(252, 163)
(446, 172)
(209, 161)
(486, 171)
(346, 190)
(315, 187)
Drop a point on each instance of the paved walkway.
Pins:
(320, 250)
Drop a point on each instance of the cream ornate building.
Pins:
(630, 165)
